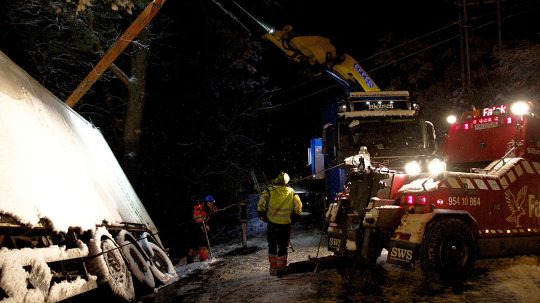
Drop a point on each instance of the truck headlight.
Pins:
(413, 168)
(436, 166)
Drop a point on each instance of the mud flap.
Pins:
(402, 253)
(334, 242)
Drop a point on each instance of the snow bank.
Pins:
(54, 164)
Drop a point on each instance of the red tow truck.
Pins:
(487, 204)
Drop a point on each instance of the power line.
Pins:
(410, 41)
(444, 41)
(412, 54)
(306, 96)
(230, 14)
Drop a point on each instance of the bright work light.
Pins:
(413, 168)
(436, 166)
(451, 119)
(520, 108)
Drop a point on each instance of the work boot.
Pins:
(273, 264)
(282, 267)
(203, 253)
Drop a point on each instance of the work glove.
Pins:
(204, 227)
(263, 216)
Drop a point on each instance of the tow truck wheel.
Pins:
(448, 251)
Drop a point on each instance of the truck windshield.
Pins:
(382, 137)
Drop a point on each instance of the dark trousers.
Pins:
(278, 236)
(199, 237)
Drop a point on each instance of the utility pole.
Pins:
(467, 54)
(464, 41)
(461, 49)
(499, 24)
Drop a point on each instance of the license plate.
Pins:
(486, 125)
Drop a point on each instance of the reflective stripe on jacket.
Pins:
(199, 214)
(279, 202)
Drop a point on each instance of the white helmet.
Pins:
(282, 179)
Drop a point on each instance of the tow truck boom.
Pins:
(318, 50)
(313, 50)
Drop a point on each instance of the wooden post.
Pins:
(116, 49)
(243, 221)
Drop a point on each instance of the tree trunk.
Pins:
(135, 106)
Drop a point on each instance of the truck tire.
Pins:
(136, 258)
(448, 251)
(107, 262)
(143, 241)
(160, 264)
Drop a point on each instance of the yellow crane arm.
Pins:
(316, 50)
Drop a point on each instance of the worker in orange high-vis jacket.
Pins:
(278, 206)
(201, 215)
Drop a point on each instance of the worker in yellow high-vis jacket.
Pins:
(278, 206)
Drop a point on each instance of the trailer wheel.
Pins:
(448, 251)
(160, 264)
(109, 265)
(143, 241)
(137, 260)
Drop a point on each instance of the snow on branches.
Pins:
(115, 5)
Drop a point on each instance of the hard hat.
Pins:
(209, 198)
(282, 179)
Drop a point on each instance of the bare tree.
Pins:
(64, 41)
(519, 70)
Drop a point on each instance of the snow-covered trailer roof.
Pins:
(54, 164)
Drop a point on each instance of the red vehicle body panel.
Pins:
(479, 138)
(505, 201)
(502, 197)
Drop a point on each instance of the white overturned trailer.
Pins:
(69, 218)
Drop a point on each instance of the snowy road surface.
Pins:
(234, 277)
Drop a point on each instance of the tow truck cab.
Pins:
(487, 206)
(387, 123)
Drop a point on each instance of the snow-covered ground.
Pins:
(233, 276)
